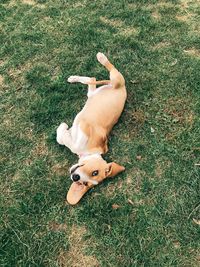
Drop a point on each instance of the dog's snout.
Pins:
(76, 177)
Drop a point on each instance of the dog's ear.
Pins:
(113, 169)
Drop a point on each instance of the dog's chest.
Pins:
(79, 138)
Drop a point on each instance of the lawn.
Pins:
(150, 214)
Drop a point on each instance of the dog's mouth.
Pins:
(80, 185)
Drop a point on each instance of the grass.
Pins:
(147, 216)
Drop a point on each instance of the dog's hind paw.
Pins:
(102, 58)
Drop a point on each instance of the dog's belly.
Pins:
(104, 108)
(79, 138)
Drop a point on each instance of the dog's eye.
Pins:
(95, 173)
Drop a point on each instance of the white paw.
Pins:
(102, 58)
(73, 79)
(62, 128)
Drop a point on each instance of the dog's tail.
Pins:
(94, 82)
(115, 76)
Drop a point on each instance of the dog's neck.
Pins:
(90, 155)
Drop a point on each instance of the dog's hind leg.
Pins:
(80, 79)
(91, 82)
(116, 78)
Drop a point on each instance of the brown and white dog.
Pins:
(88, 136)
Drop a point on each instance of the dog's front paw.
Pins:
(73, 79)
(60, 131)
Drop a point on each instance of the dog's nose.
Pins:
(76, 177)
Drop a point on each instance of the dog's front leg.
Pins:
(81, 79)
(91, 82)
(64, 137)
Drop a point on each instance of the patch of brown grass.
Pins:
(184, 18)
(156, 15)
(165, 4)
(120, 26)
(159, 169)
(185, 4)
(79, 4)
(17, 74)
(57, 227)
(180, 110)
(129, 31)
(132, 5)
(189, 14)
(192, 52)
(12, 3)
(135, 120)
(134, 179)
(179, 114)
(112, 22)
(161, 45)
(76, 256)
(1, 80)
(40, 148)
(2, 62)
(32, 3)
(139, 116)
(161, 4)
(60, 169)
(161, 165)
(189, 119)
(16, 176)
(29, 2)
(110, 190)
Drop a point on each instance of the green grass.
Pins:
(156, 45)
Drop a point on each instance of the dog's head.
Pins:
(93, 169)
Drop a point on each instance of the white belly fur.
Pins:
(79, 138)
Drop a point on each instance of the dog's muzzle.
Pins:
(79, 176)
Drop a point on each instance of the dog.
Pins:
(88, 136)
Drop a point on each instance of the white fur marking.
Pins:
(102, 58)
(81, 139)
(89, 156)
(80, 79)
(96, 91)
(73, 167)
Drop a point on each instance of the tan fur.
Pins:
(88, 136)
(102, 111)
(104, 169)
(99, 82)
